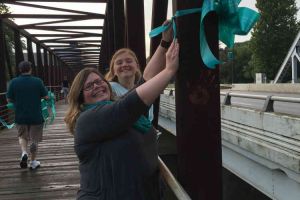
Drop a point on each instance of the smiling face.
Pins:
(125, 66)
(95, 89)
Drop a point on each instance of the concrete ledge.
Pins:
(278, 88)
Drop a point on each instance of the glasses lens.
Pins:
(90, 85)
(97, 82)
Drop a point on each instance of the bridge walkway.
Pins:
(58, 176)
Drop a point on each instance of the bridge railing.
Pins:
(9, 115)
(171, 181)
(269, 99)
(269, 138)
(5, 114)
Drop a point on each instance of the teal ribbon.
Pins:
(45, 104)
(51, 105)
(142, 125)
(233, 20)
(9, 126)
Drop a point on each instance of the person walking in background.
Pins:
(25, 92)
(124, 70)
(65, 88)
(115, 143)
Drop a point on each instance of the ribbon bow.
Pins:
(233, 20)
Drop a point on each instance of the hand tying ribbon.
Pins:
(233, 20)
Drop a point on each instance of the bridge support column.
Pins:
(2, 62)
(18, 50)
(294, 69)
(159, 15)
(198, 109)
(135, 30)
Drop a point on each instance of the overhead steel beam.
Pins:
(69, 35)
(53, 8)
(52, 16)
(75, 1)
(61, 27)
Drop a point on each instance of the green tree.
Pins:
(237, 69)
(3, 8)
(273, 35)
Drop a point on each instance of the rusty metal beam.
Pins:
(18, 49)
(159, 15)
(2, 63)
(69, 35)
(53, 8)
(53, 28)
(39, 65)
(74, 1)
(135, 29)
(198, 109)
(31, 56)
(52, 16)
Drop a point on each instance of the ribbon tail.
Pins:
(207, 56)
(247, 19)
(158, 30)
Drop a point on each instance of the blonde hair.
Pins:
(110, 76)
(75, 96)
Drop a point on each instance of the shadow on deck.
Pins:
(58, 176)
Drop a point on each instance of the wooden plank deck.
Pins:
(58, 176)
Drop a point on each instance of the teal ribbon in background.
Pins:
(45, 104)
(233, 20)
(9, 126)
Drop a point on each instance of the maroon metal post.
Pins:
(18, 50)
(135, 29)
(39, 65)
(46, 67)
(198, 109)
(2, 62)
(31, 56)
(51, 70)
(8, 60)
(159, 15)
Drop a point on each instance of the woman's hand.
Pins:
(172, 57)
(168, 34)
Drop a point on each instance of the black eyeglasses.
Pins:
(89, 86)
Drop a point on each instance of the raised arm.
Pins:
(151, 89)
(158, 61)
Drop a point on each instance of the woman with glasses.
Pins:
(115, 143)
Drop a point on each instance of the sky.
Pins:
(243, 3)
(101, 8)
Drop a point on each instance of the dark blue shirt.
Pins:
(25, 92)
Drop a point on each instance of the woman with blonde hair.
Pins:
(115, 144)
(124, 69)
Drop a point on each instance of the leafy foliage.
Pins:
(236, 70)
(3, 8)
(273, 35)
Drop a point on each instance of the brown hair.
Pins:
(24, 66)
(110, 76)
(75, 96)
